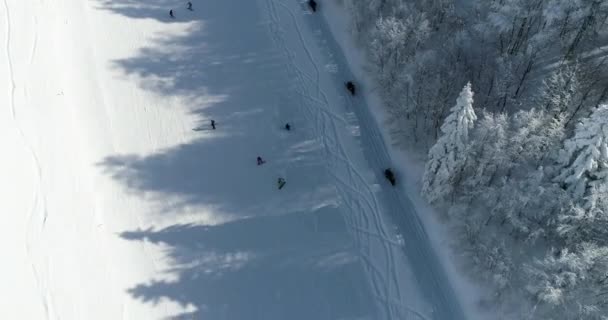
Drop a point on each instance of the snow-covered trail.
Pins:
(401, 220)
(402, 214)
(121, 203)
(315, 62)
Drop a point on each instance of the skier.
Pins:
(190, 6)
(171, 14)
(390, 176)
(281, 183)
(287, 127)
(260, 161)
(213, 124)
(350, 86)
(313, 5)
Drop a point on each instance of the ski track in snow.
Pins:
(417, 247)
(35, 42)
(353, 187)
(37, 200)
(358, 196)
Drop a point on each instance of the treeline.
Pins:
(517, 160)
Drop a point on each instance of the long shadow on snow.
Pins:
(229, 274)
(218, 67)
(288, 257)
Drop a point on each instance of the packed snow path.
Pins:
(122, 203)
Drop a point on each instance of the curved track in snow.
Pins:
(365, 214)
(37, 215)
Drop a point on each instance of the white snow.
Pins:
(120, 202)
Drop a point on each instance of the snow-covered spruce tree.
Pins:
(447, 157)
(587, 222)
(584, 173)
(584, 158)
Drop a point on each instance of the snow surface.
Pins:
(121, 202)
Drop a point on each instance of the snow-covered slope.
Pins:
(122, 202)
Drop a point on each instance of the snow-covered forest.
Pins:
(504, 99)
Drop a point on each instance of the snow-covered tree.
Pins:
(536, 134)
(560, 90)
(447, 157)
(486, 154)
(389, 38)
(588, 222)
(394, 42)
(584, 174)
(585, 156)
(490, 261)
(571, 284)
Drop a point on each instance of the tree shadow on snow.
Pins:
(226, 61)
(295, 266)
(268, 254)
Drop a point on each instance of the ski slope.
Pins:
(122, 203)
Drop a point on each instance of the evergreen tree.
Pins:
(447, 157)
(585, 175)
(584, 158)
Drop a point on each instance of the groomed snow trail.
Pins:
(122, 203)
(379, 248)
(402, 227)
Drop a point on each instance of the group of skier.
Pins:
(311, 3)
(188, 6)
(280, 182)
(350, 86)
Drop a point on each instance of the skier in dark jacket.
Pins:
(313, 5)
(390, 176)
(213, 124)
(280, 183)
(190, 6)
(171, 14)
(350, 86)
(287, 127)
(260, 161)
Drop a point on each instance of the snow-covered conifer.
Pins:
(585, 156)
(447, 157)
